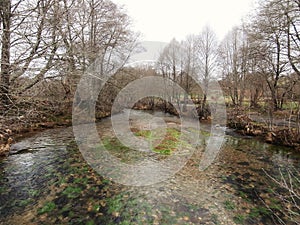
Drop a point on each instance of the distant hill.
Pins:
(150, 51)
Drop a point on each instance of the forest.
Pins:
(46, 46)
(49, 46)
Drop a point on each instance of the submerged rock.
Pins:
(20, 147)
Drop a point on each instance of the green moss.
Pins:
(96, 207)
(239, 219)
(91, 222)
(229, 205)
(205, 133)
(72, 192)
(113, 144)
(163, 151)
(275, 204)
(257, 211)
(115, 204)
(48, 207)
(243, 195)
(106, 181)
(79, 169)
(144, 133)
(170, 142)
(215, 219)
(81, 180)
(130, 210)
(66, 208)
(34, 193)
(25, 202)
(61, 181)
(224, 177)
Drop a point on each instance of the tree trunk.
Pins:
(204, 101)
(297, 39)
(275, 102)
(254, 98)
(5, 53)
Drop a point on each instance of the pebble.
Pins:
(186, 218)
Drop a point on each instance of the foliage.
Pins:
(239, 219)
(72, 192)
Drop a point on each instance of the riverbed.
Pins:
(46, 180)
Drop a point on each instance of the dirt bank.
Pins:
(258, 125)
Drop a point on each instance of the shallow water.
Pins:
(48, 182)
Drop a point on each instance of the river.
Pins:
(47, 181)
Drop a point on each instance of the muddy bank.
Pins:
(26, 117)
(276, 134)
(12, 133)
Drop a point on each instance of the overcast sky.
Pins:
(161, 20)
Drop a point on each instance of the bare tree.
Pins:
(29, 43)
(234, 60)
(267, 46)
(291, 10)
(170, 65)
(189, 73)
(43, 39)
(207, 59)
(170, 60)
(102, 32)
(5, 18)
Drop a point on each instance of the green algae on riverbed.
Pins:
(66, 191)
(257, 173)
(166, 146)
(54, 185)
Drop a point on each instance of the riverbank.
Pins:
(280, 130)
(25, 119)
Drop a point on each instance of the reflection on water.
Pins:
(26, 174)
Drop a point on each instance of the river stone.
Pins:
(20, 147)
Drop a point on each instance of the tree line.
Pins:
(56, 40)
(260, 59)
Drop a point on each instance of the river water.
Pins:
(47, 181)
